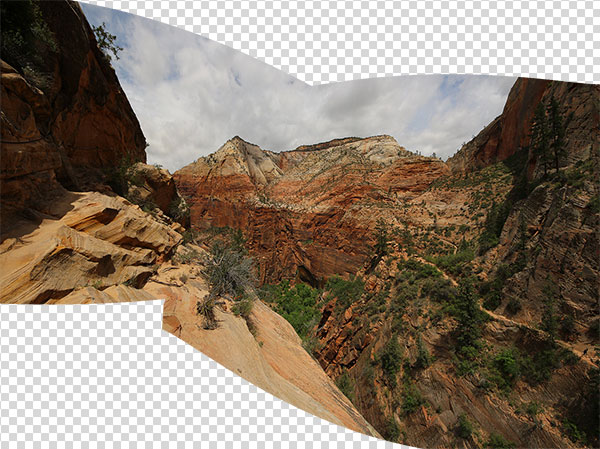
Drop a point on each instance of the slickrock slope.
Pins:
(307, 212)
(272, 359)
(68, 119)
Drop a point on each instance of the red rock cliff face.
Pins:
(509, 132)
(310, 211)
(69, 119)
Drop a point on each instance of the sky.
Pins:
(192, 94)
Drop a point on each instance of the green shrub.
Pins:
(505, 369)
(347, 292)
(573, 432)
(243, 308)
(297, 304)
(178, 209)
(424, 359)
(391, 359)
(346, 385)
(120, 177)
(496, 441)
(411, 399)
(514, 306)
(533, 409)
(456, 264)
(391, 431)
(464, 428)
(187, 257)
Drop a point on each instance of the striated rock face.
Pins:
(80, 240)
(509, 132)
(68, 119)
(307, 212)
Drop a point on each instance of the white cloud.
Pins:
(191, 95)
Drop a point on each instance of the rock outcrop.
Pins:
(65, 118)
(510, 132)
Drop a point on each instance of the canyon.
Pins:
(444, 304)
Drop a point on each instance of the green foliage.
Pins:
(439, 290)
(419, 270)
(496, 441)
(243, 308)
(346, 385)
(494, 222)
(468, 315)
(189, 236)
(347, 292)
(539, 367)
(492, 289)
(228, 271)
(26, 38)
(456, 264)
(119, 178)
(573, 432)
(533, 409)
(178, 209)
(505, 369)
(391, 359)
(424, 359)
(411, 399)
(206, 308)
(549, 321)
(106, 41)
(297, 304)
(391, 431)
(381, 247)
(464, 428)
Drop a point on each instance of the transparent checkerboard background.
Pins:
(107, 375)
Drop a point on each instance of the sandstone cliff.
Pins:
(65, 118)
(307, 212)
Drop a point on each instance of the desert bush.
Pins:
(464, 428)
(497, 441)
(505, 369)
(243, 308)
(346, 385)
(411, 399)
(391, 431)
(206, 308)
(187, 257)
(228, 272)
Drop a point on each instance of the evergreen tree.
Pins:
(381, 239)
(556, 132)
(540, 136)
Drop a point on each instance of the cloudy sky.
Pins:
(191, 95)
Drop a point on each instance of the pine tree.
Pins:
(540, 136)
(556, 132)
